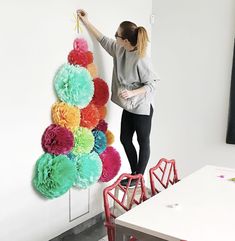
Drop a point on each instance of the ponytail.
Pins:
(137, 36)
(142, 41)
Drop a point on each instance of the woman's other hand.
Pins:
(126, 94)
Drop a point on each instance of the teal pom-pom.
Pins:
(74, 85)
(83, 141)
(100, 141)
(54, 175)
(89, 169)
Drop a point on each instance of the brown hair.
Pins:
(137, 36)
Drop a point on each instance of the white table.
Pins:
(201, 207)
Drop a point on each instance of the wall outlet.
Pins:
(152, 18)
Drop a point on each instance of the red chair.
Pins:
(163, 174)
(119, 199)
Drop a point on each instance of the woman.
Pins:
(133, 86)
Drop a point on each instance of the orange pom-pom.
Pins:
(109, 137)
(90, 58)
(92, 70)
(102, 111)
(65, 115)
(90, 117)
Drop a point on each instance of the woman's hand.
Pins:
(82, 15)
(126, 94)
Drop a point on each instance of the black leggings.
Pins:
(142, 125)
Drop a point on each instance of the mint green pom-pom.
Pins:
(54, 175)
(83, 141)
(89, 169)
(74, 85)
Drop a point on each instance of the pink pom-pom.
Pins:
(111, 164)
(80, 45)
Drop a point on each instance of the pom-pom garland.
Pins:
(89, 116)
(57, 140)
(83, 141)
(111, 164)
(72, 147)
(101, 93)
(80, 45)
(100, 141)
(109, 137)
(66, 115)
(73, 85)
(54, 175)
(89, 169)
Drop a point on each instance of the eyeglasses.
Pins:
(117, 36)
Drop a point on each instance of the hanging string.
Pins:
(77, 25)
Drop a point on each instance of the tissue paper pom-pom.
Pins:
(80, 44)
(73, 85)
(89, 117)
(89, 56)
(102, 110)
(83, 141)
(109, 137)
(89, 169)
(54, 175)
(102, 126)
(101, 94)
(111, 164)
(100, 141)
(78, 58)
(92, 70)
(57, 140)
(66, 115)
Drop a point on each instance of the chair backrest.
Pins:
(162, 175)
(119, 199)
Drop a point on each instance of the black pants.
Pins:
(141, 124)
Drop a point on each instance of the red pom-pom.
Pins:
(111, 164)
(101, 93)
(102, 126)
(78, 58)
(89, 117)
(89, 56)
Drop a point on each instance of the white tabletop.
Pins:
(199, 207)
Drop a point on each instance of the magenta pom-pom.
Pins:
(57, 140)
(76, 57)
(101, 94)
(102, 126)
(111, 164)
(80, 45)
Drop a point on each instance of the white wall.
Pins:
(36, 37)
(192, 48)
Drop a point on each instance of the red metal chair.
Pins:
(163, 174)
(119, 202)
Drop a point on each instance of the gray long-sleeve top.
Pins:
(130, 72)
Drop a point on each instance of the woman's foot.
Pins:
(126, 180)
